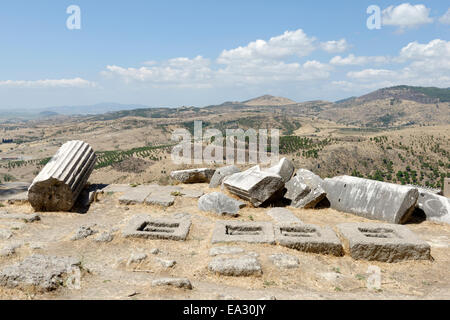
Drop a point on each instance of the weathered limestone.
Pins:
(308, 238)
(435, 207)
(44, 273)
(137, 195)
(446, 188)
(219, 203)
(239, 231)
(284, 261)
(254, 185)
(105, 236)
(58, 185)
(193, 175)
(137, 257)
(160, 199)
(83, 232)
(116, 188)
(166, 263)
(284, 169)
(282, 215)
(221, 174)
(305, 189)
(371, 199)
(182, 283)
(224, 250)
(237, 267)
(10, 249)
(383, 242)
(147, 227)
(189, 193)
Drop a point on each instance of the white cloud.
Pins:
(178, 71)
(406, 15)
(445, 19)
(276, 63)
(368, 74)
(288, 44)
(48, 83)
(260, 62)
(335, 46)
(427, 64)
(351, 59)
(435, 49)
(260, 72)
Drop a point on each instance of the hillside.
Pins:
(268, 100)
(393, 107)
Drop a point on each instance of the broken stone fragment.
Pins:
(166, 263)
(60, 182)
(221, 174)
(182, 283)
(44, 273)
(305, 189)
(223, 250)
(160, 199)
(10, 249)
(137, 258)
(371, 199)
(193, 175)
(138, 194)
(435, 207)
(237, 267)
(188, 193)
(284, 169)
(254, 185)
(284, 261)
(105, 237)
(83, 232)
(282, 215)
(219, 203)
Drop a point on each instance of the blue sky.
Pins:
(173, 53)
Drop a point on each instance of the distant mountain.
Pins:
(99, 108)
(48, 114)
(268, 100)
(393, 106)
(426, 95)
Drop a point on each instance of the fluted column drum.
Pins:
(58, 185)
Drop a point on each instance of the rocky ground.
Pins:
(115, 267)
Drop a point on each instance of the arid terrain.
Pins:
(408, 144)
(318, 276)
(399, 135)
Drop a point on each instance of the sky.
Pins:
(203, 52)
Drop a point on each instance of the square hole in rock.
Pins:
(158, 227)
(383, 233)
(299, 232)
(243, 231)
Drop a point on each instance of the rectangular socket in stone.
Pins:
(239, 231)
(144, 226)
(308, 238)
(382, 242)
